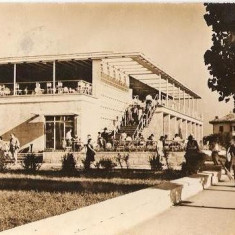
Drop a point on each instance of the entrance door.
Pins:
(56, 128)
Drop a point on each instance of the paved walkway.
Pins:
(209, 212)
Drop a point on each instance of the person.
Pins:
(77, 144)
(150, 139)
(1, 143)
(215, 152)
(105, 136)
(14, 146)
(160, 149)
(90, 154)
(100, 141)
(230, 156)
(135, 115)
(69, 138)
(192, 148)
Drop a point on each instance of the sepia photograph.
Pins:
(117, 118)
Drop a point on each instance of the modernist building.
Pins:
(42, 97)
(224, 124)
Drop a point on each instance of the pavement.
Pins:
(210, 212)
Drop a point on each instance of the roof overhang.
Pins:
(134, 64)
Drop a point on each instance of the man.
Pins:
(14, 146)
(105, 136)
(69, 138)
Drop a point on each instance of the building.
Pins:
(224, 124)
(42, 97)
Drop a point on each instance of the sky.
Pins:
(175, 36)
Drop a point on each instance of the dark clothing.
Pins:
(231, 162)
(90, 153)
(105, 136)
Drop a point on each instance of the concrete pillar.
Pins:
(184, 104)
(167, 92)
(186, 129)
(160, 89)
(54, 77)
(179, 104)
(96, 77)
(14, 80)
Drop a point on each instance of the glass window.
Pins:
(56, 128)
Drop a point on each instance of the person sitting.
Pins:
(100, 141)
(150, 140)
(192, 148)
(77, 143)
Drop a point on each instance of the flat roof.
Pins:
(134, 64)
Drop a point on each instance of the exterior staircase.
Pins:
(129, 130)
(134, 130)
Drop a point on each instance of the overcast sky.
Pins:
(175, 36)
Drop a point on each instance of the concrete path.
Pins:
(210, 212)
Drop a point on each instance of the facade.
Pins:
(43, 97)
(224, 124)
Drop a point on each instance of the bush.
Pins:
(32, 162)
(193, 163)
(155, 163)
(69, 163)
(3, 163)
(107, 164)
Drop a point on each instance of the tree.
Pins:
(220, 58)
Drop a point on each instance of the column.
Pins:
(96, 77)
(14, 80)
(54, 76)
(186, 129)
(167, 85)
(179, 99)
(160, 89)
(169, 126)
(184, 102)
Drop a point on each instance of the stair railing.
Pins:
(145, 121)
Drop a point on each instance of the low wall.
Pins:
(136, 159)
(117, 215)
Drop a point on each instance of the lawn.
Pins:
(29, 197)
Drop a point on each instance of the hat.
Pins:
(105, 128)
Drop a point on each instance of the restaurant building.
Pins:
(42, 97)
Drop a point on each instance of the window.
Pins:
(56, 128)
(221, 129)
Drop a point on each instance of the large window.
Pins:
(56, 128)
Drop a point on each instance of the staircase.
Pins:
(134, 130)
(129, 130)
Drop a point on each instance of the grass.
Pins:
(29, 197)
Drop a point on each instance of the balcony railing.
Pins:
(46, 87)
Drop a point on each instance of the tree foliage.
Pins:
(220, 58)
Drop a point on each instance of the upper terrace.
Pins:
(74, 74)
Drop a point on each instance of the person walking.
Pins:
(14, 146)
(230, 161)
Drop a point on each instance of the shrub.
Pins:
(193, 163)
(68, 163)
(155, 163)
(3, 163)
(31, 162)
(107, 164)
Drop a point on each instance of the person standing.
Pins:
(90, 154)
(215, 152)
(14, 146)
(69, 138)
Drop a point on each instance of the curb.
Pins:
(116, 215)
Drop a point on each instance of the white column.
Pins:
(14, 80)
(179, 99)
(54, 76)
(186, 129)
(167, 92)
(160, 89)
(169, 126)
(184, 102)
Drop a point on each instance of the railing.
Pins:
(145, 118)
(46, 87)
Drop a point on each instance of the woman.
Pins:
(90, 154)
(230, 162)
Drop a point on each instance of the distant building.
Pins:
(224, 124)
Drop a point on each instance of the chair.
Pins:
(60, 87)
